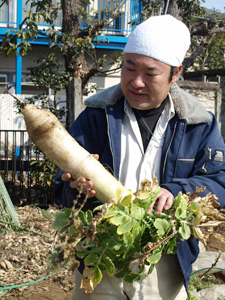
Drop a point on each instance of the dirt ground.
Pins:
(23, 259)
(42, 291)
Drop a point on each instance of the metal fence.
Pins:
(19, 169)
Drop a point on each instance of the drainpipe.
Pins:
(166, 8)
(18, 56)
(163, 7)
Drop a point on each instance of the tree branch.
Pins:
(217, 30)
(204, 45)
(88, 76)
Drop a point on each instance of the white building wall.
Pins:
(11, 120)
(8, 68)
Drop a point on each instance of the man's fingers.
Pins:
(163, 202)
(91, 193)
(66, 176)
(83, 186)
(149, 210)
(96, 156)
(169, 203)
(74, 184)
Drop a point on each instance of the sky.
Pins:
(217, 4)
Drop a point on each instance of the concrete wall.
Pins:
(210, 95)
(216, 77)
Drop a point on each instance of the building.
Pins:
(16, 149)
(13, 70)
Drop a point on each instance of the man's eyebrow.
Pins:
(130, 61)
(152, 69)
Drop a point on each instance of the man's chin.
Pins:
(136, 101)
(142, 106)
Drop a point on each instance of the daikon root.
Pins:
(49, 135)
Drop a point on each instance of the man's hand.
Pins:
(163, 201)
(81, 184)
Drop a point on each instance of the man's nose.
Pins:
(138, 81)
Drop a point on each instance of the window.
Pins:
(8, 14)
(3, 82)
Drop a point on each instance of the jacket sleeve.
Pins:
(88, 132)
(209, 166)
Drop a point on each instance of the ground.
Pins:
(23, 258)
(43, 291)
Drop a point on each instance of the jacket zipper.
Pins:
(167, 150)
(208, 157)
(110, 142)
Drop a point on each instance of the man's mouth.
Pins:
(138, 93)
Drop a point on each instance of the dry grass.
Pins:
(23, 254)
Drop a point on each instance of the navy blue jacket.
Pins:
(192, 154)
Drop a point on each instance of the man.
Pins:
(148, 127)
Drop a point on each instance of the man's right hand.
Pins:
(81, 184)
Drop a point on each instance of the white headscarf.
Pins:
(161, 37)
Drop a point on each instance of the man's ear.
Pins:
(176, 72)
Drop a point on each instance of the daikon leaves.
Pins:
(61, 219)
(185, 231)
(125, 217)
(109, 265)
(154, 258)
(162, 226)
(123, 240)
(125, 227)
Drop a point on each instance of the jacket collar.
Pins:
(186, 106)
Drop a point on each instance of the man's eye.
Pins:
(129, 69)
(150, 75)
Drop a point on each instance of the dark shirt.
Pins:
(147, 120)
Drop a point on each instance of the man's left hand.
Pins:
(163, 201)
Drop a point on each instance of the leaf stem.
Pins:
(88, 246)
(164, 215)
(215, 223)
(100, 257)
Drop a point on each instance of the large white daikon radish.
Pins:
(47, 132)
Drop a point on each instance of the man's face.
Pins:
(145, 81)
